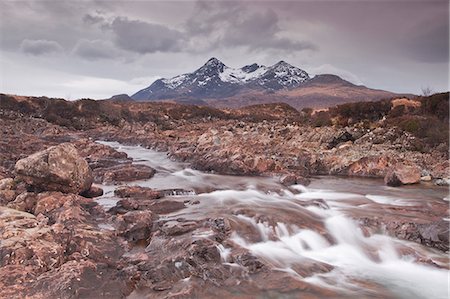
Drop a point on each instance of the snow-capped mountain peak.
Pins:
(216, 80)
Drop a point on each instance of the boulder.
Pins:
(94, 191)
(58, 168)
(402, 174)
(293, 179)
(128, 173)
(137, 192)
(136, 225)
(7, 184)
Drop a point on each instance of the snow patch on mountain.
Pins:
(241, 75)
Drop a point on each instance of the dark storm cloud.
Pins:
(40, 47)
(143, 37)
(95, 49)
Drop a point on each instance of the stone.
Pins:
(7, 184)
(128, 173)
(293, 179)
(58, 168)
(24, 202)
(402, 174)
(136, 225)
(94, 191)
(137, 192)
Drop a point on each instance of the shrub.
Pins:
(356, 112)
(321, 119)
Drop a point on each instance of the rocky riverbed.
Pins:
(218, 206)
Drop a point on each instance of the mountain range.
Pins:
(218, 85)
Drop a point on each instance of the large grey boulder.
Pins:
(58, 168)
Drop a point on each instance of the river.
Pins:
(312, 233)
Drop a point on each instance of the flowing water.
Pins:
(312, 233)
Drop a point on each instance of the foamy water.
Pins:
(288, 228)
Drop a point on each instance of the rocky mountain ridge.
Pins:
(216, 84)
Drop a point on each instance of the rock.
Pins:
(402, 174)
(371, 166)
(442, 182)
(7, 184)
(341, 137)
(136, 225)
(293, 179)
(94, 191)
(27, 241)
(127, 173)
(435, 235)
(58, 168)
(24, 202)
(426, 178)
(7, 196)
(137, 192)
(175, 229)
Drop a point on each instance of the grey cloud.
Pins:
(430, 44)
(91, 18)
(40, 47)
(143, 37)
(95, 49)
(260, 31)
(234, 24)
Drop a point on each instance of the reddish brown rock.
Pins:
(137, 192)
(24, 202)
(58, 168)
(402, 174)
(373, 166)
(7, 196)
(292, 179)
(127, 173)
(93, 191)
(136, 225)
(7, 184)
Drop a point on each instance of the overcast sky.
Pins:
(74, 49)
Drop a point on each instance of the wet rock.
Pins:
(204, 250)
(93, 191)
(174, 229)
(402, 174)
(137, 192)
(221, 226)
(124, 205)
(157, 207)
(435, 235)
(127, 173)
(293, 179)
(136, 225)
(251, 262)
(58, 168)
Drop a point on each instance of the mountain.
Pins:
(216, 80)
(219, 85)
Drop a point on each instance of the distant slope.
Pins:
(322, 91)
